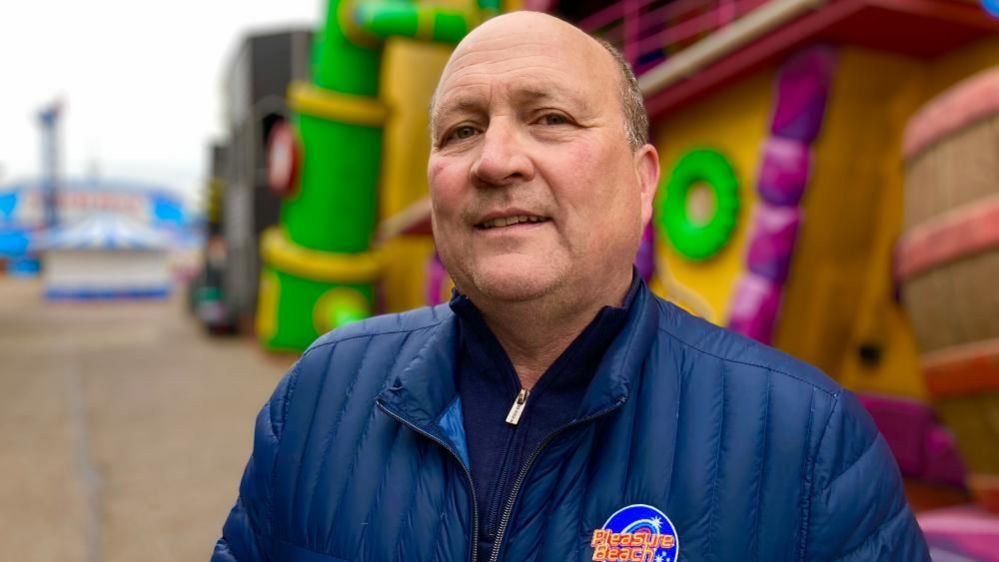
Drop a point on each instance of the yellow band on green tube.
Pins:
(308, 99)
(425, 24)
(284, 255)
(350, 29)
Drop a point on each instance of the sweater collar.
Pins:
(575, 366)
(423, 390)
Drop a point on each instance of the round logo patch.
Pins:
(636, 533)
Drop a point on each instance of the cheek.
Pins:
(574, 172)
(605, 197)
(435, 167)
(446, 181)
(592, 181)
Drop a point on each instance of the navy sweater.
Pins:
(488, 386)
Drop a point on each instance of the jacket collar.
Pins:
(621, 365)
(424, 390)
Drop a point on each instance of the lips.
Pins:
(510, 220)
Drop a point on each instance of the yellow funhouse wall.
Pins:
(945, 71)
(842, 263)
(409, 76)
(404, 278)
(839, 296)
(734, 122)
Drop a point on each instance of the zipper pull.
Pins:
(513, 418)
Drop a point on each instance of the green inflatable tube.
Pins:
(318, 269)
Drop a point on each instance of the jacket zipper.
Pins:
(512, 499)
(519, 403)
(473, 546)
(496, 502)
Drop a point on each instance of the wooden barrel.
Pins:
(948, 265)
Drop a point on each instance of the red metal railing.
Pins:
(649, 31)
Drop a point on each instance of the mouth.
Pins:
(513, 220)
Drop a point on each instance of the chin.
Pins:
(510, 290)
(514, 280)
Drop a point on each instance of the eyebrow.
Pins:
(555, 93)
(463, 103)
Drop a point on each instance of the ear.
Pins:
(647, 170)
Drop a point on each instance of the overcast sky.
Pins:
(141, 81)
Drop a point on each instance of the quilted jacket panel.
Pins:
(751, 454)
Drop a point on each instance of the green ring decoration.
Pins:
(338, 307)
(691, 239)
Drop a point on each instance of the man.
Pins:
(556, 410)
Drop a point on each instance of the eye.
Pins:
(554, 119)
(461, 133)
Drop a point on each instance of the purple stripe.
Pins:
(799, 108)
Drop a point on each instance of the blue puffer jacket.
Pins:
(751, 455)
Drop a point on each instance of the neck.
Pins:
(534, 333)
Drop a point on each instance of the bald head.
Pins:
(508, 37)
(538, 195)
(528, 26)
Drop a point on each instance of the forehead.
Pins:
(526, 70)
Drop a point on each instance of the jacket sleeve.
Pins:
(247, 531)
(857, 506)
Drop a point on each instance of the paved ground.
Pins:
(123, 429)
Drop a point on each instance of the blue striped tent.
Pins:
(104, 256)
(103, 232)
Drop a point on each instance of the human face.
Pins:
(535, 190)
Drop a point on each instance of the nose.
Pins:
(503, 157)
